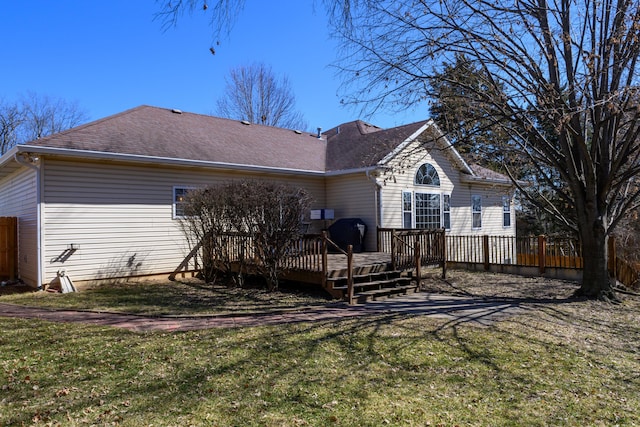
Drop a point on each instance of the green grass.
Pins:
(571, 363)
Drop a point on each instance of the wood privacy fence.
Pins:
(8, 248)
(541, 253)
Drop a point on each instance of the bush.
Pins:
(245, 224)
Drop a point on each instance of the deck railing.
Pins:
(401, 244)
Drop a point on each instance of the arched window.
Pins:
(427, 175)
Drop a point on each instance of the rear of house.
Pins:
(102, 201)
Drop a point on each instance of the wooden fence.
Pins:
(541, 252)
(8, 248)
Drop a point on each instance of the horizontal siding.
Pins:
(353, 196)
(18, 193)
(120, 216)
(401, 177)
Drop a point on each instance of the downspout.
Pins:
(377, 197)
(33, 162)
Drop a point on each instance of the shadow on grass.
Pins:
(395, 368)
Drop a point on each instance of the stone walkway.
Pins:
(457, 310)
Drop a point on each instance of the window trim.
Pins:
(174, 202)
(506, 211)
(446, 212)
(410, 211)
(415, 209)
(475, 212)
(434, 176)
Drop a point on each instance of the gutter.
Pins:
(485, 181)
(377, 196)
(35, 163)
(101, 155)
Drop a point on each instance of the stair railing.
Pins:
(326, 242)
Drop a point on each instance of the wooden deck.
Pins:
(369, 261)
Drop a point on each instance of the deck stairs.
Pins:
(373, 284)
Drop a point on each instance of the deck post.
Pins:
(418, 261)
(393, 249)
(350, 273)
(542, 253)
(325, 262)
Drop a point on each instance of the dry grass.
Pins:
(561, 362)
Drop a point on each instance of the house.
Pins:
(102, 200)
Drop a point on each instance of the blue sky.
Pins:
(110, 56)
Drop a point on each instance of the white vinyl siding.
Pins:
(18, 196)
(354, 196)
(399, 179)
(121, 216)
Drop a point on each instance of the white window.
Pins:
(427, 175)
(407, 209)
(446, 211)
(427, 210)
(506, 211)
(476, 211)
(179, 194)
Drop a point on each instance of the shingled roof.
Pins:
(164, 133)
(358, 144)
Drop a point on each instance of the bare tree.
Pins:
(35, 116)
(255, 94)
(11, 119)
(570, 92)
(44, 115)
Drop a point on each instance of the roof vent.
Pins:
(319, 133)
(176, 111)
(245, 122)
(297, 132)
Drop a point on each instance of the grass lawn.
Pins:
(187, 297)
(561, 362)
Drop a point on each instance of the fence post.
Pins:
(393, 249)
(418, 261)
(612, 256)
(542, 253)
(350, 273)
(485, 249)
(443, 242)
(378, 236)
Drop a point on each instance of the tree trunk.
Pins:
(596, 283)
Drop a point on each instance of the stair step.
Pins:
(341, 281)
(373, 294)
(377, 283)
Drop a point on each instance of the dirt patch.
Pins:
(497, 285)
(10, 288)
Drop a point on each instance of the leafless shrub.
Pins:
(245, 225)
